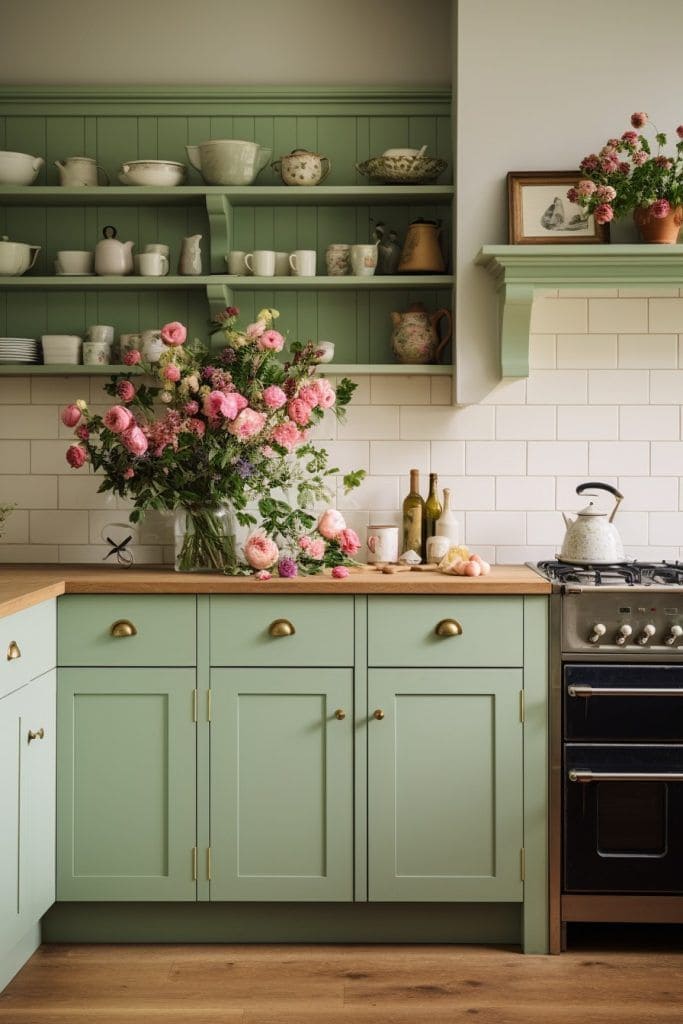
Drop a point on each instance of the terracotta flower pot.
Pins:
(661, 230)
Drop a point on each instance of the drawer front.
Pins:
(27, 645)
(127, 629)
(402, 631)
(255, 630)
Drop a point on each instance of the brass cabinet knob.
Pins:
(448, 627)
(122, 627)
(39, 734)
(378, 714)
(281, 627)
(340, 714)
(13, 651)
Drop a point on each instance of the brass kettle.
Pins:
(421, 252)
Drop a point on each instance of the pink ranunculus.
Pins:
(589, 163)
(309, 395)
(572, 195)
(128, 474)
(82, 432)
(340, 572)
(630, 137)
(76, 456)
(640, 158)
(623, 167)
(248, 424)
(316, 549)
(349, 541)
(305, 543)
(605, 193)
(172, 373)
(586, 187)
(327, 396)
(125, 389)
(299, 412)
(603, 213)
(259, 550)
(174, 334)
(331, 524)
(71, 415)
(192, 408)
(135, 441)
(286, 434)
(274, 397)
(610, 164)
(197, 427)
(661, 208)
(639, 119)
(118, 419)
(271, 340)
(255, 330)
(132, 357)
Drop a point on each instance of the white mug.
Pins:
(363, 260)
(261, 262)
(74, 261)
(101, 334)
(161, 247)
(151, 346)
(96, 353)
(302, 262)
(382, 544)
(236, 265)
(151, 264)
(281, 264)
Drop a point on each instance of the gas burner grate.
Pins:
(630, 574)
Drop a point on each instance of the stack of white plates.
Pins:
(19, 350)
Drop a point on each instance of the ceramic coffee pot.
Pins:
(421, 250)
(415, 338)
(112, 256)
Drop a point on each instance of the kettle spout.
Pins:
(567, 520)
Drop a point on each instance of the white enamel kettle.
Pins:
(592, 538)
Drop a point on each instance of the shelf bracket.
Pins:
(515, 302)
(219, 211)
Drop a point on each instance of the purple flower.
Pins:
(244, 468)
(227, 356)
(287, 568)
(208, 372)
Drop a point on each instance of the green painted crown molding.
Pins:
(521, 270)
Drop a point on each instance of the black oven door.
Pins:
(623, 818)
(623, 703)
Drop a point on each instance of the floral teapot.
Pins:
(415, 338)
(592, 538)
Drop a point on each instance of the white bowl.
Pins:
(400, 152)
(152, 172)
(19, 168)
(325, 351)
(61, 348)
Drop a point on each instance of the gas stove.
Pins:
(569, 578)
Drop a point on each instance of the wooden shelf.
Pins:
(521, 270)
(133, 282)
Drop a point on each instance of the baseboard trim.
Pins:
(12, 961)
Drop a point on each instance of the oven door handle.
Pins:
(583, 690)
(581, 775)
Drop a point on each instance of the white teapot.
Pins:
(591, 538)
(113, 256)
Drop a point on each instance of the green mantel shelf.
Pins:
(521, 270)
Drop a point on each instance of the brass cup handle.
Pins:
(122, 627)
(13, 651)
(39, 734)
(281, 627)
(448, 627)
(378, 714)
(340, 714)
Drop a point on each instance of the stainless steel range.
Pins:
(616, 802)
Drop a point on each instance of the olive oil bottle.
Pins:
(432, 506)
(414, 518)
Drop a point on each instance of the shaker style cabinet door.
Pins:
(126, 801)
(12, 923)
(281, 784)
(445, 784)
(38, 781)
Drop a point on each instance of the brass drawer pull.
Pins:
(340, 714)
(38, 735)
(448, 627)
(281, 627)
(122, 627)
(378, 714)
(13, 651)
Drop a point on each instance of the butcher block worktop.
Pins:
(24, 586)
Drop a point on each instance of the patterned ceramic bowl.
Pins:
(403, 170)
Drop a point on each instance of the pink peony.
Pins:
(248, 424)
(326, 393)
(286, 435)
(639, 119)
(76, 456)
(661, 208)
(274, 397)
(217, 403)
(271, 340)
(135, 441)
(340, 572)
(309, 395)
(128, 474)
(125, 390)
(299, 411)
(172, 373)
(264, 575)
(71, 415)
(605, 193)
(197, 427)
(118, 419)
(254, 331)
(259, 550)
(305, 543)
(603, 213)
(192, 408)
(82, 432)
(173, 334)
(132, 357)
(349, 541)
(316, 549)
(331, 524)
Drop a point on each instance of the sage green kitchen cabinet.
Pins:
(282, 783)
(445, 781)
(126, 783)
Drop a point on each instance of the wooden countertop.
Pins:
(24, 586)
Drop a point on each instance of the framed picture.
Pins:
(539, 211)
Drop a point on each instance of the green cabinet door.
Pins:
(445, 784)
(282, 784)
(38, 781)
(10, 774)
(126, 802)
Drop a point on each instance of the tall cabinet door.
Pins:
(38, 771)
(11, 729)
(445, 784)
(126, 794)
(281, 784)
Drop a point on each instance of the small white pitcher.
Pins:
(79, 170)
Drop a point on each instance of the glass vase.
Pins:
(205, 540)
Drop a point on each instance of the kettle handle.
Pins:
(603, 487)
(435, 318)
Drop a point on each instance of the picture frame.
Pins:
(539, 212)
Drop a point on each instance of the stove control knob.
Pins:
(599, 630)
(623, 634)
(647, 634)
(675, 633)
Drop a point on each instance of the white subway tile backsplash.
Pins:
(369, 422)
(667, 458)
(666, 528)
(427, 422)
(49, 457)
(144, 554)
(15, 390)
(582, 351)
(348, 455)
(545, 528)
(524, 492)
(398, 457)
(525, 423)
(80, 491)
(666, 386)
(566, 498)
(17, 554)
(58, 527)
(375, 492)
(25, 422)
(586, 422)
(491, 458)
(29, 491)
(550, 315)
(646, 351)
(61, 391)
(442, 390)
(508, 392)
(15, 529)
(620, 457)
(448, 457)
(557, 387)
(542, 351)
(625, 316)
(617, 387)
(645, 493)
(546, 458)
(649, 422)
(494, 528)
(633, 527)
(15, 456)
(666, 315)
(394, 390)
(470, 492)
(506, 555)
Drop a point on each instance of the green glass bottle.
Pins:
(432, 506)
(414, 518)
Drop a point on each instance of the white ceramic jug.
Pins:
(79, 171)
(190, 262)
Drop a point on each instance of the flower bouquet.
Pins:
(216, 433)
